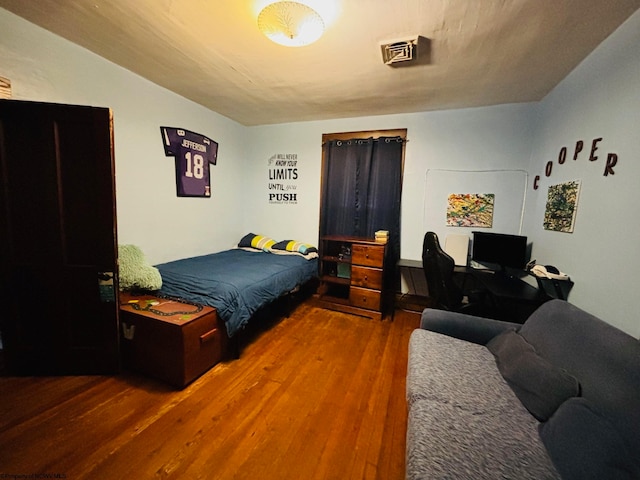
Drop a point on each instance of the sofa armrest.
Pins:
(465, 327)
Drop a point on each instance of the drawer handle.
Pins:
(366, 278)
(208, 336)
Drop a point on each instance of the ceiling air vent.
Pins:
(400, 52)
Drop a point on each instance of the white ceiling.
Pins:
(482, 52)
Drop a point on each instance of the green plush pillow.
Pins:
(539, 385)
(135, 272)
(256, 241)
(294, 246)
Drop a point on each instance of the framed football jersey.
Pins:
(193, 154)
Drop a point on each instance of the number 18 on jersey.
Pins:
(193, 154)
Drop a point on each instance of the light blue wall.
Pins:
(599, 99)
(470, 139)
(45, 67)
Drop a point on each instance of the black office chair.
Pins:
(438, 269)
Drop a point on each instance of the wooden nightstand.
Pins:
(169, 340)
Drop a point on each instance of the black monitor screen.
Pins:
(499, 248)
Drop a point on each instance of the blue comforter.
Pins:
(236, 282)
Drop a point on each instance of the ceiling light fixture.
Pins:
(291, 24)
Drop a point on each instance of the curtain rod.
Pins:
(361, 141)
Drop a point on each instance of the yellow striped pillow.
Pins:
(256, 241)
(262, 242)
(294, 246)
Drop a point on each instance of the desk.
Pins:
(411, 289)
(504, 286)
(511, 296)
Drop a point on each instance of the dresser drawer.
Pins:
(368, 255)
(365, 298)
(366, 277)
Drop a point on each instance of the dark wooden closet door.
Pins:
(58, 310)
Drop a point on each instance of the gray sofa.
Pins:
(556, 397)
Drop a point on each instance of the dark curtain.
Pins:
(361, 190)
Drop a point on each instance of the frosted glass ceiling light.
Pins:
(291, 24)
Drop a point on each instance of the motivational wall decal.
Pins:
(579, 153)
(283, 178)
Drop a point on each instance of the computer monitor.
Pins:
(499, 249)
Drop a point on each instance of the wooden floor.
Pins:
(316, 395)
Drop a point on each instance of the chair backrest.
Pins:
(438, 270)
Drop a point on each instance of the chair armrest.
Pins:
(465, 327)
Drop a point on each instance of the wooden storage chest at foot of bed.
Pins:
(169, 340)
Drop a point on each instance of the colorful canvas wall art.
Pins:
(470, 210)
(562, 205)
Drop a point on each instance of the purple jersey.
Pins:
(193, 153)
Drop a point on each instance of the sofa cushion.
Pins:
(584, 445)
(465, 327)
(447, 442)
(456, 372)
(540, 386)
(604, 359)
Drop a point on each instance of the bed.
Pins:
(239, 281)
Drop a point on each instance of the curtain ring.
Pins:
(387, 140)
(339, 143)
(399, 140)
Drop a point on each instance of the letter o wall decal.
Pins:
(562, 156)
